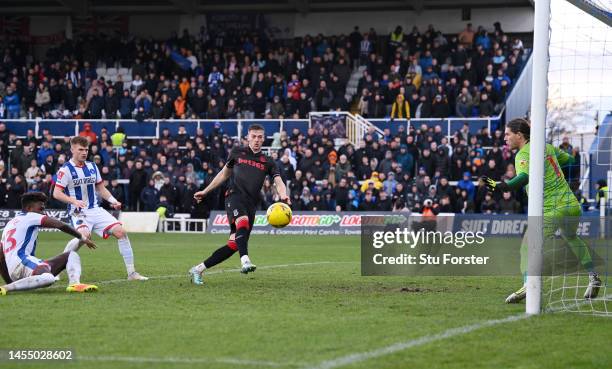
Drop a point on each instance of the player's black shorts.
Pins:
(236, 206)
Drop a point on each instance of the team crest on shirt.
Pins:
(235, 212)
(262, 159)
(92, 171)
(523, 162)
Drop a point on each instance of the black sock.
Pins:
(220, 255)
(242, 241)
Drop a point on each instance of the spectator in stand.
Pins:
(43, 152)
(15, 187)
(119, 137)
(368, 203)
(33, 172)
(401, 108)
(12, 103)
(440, 107)
(91, 136)
(466, 37)
(148, 197)
(138, 181)
(466, 184)
(111, 104)
(508, 205)
(95, 105)
(485, 107)
(489, 206)
(43, 98)
(126, 105)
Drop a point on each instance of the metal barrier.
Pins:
(184, 225)
(150, 129)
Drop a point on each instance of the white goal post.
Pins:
(571, 73)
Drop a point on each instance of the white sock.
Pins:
(245, 259)
(29, 283)
(200, 268)
(73, 268)
(125, 249)
(72, 245)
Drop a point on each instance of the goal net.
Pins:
(579, 122)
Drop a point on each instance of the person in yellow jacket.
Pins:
(396, 37)
(602, 192)
(374, 180)
(401, 108)
(118, 137)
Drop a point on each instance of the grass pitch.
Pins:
(306, 306)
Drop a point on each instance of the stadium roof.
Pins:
(88, 7)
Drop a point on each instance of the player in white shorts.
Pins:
(76, 185)
(19, 266)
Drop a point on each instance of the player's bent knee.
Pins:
(119, 232)
(242, 223)
(46, 279)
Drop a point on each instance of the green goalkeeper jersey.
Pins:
(557, 193)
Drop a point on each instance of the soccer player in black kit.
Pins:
(247, 168)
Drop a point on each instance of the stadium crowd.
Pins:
(250, 76)
(416, 170)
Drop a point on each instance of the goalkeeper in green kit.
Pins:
(561, 208)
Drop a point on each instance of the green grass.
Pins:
(284, 315)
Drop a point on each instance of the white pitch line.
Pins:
(400, 346)
(186, 360)
(219, 271)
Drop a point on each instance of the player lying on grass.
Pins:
(78, 184)
(247, 168)
(20, 269)
(562, 210)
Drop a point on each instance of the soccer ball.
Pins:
(279, 215)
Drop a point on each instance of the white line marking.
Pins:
(187, 360)
(400, 346)
(219, 271)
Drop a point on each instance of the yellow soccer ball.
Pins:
(279, 215)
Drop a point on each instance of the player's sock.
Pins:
(72, 245)
(243, 230)
(125, 249)
(73, 268)
(29, 283)
(200, 268)
(221, 254)
(244, 259)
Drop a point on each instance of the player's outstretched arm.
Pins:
(221, 177)
(49, 222)
(58, 194)
(513, 184)
(281, 189)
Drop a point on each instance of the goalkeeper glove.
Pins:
(493, 186)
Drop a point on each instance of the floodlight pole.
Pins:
(539, 97)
